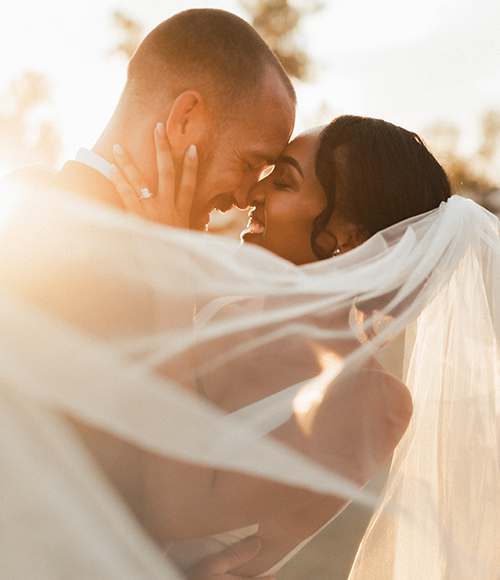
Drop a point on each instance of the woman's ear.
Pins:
(348, 235)
(187, 121)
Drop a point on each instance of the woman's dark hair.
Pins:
(375, 174)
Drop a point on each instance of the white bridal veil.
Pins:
(97, 324)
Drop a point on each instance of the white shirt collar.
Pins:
(93, 160)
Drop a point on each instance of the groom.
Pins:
(215, 84)
(210, 79)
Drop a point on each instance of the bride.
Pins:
(70, 270)
(331, 189)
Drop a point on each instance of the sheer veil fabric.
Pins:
(97, 315)
(445, 474)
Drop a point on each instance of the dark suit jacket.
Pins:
(88, 182)
(77, 286)
(74, 176)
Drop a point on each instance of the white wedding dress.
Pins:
(96, 312)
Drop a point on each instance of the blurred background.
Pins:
(431, 66)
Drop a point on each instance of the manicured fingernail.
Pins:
(118, 150)
(114, 169)
(160, 127)
(192, 152)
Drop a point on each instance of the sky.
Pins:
(411, 63)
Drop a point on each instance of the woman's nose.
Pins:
(257, 195)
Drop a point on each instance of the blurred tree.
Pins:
(278, 22)
(476, 175)
(26, 134)
(465, 173)
(131, 32)
(490, 126)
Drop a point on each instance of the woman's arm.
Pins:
(352, 427)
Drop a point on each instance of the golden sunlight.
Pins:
(310, 396)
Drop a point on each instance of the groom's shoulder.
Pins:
(31, 175)
(74, 177)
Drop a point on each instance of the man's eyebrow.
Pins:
(261, 158)
(291, 161)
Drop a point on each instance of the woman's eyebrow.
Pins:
(291, 161)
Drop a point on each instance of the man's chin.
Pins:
(199, 217)
(199, 221)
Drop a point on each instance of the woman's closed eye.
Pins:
(279, 184)
(282, 178)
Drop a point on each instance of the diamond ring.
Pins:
(145, 193)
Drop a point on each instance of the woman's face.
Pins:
(287, 202)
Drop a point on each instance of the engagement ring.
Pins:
(145, 193)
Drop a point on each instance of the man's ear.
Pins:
(187, 121)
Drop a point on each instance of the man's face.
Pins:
(232, 161)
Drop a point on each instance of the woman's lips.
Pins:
(255, 226)
(254, 230)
